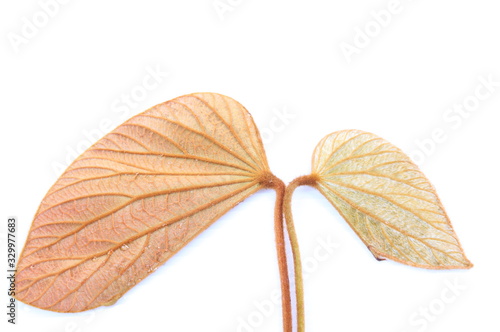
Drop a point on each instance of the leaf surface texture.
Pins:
(386, 200)
(136, 197)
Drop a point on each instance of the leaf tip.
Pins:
(468, 264)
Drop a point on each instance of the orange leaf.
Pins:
(136, 197)
(387, 200)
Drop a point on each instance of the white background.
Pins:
(70, 74)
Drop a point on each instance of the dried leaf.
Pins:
(136, 197)
(386, 200)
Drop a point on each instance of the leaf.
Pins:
(386, 200)
(136, 197)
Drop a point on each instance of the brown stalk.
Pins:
(271, 181)
(299, 284)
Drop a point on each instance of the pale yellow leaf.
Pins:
(386, 200)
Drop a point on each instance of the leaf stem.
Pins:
(271, 181)
(299, 284)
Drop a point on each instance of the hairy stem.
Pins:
(273, 182)
(281, 251)
(299, 284)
